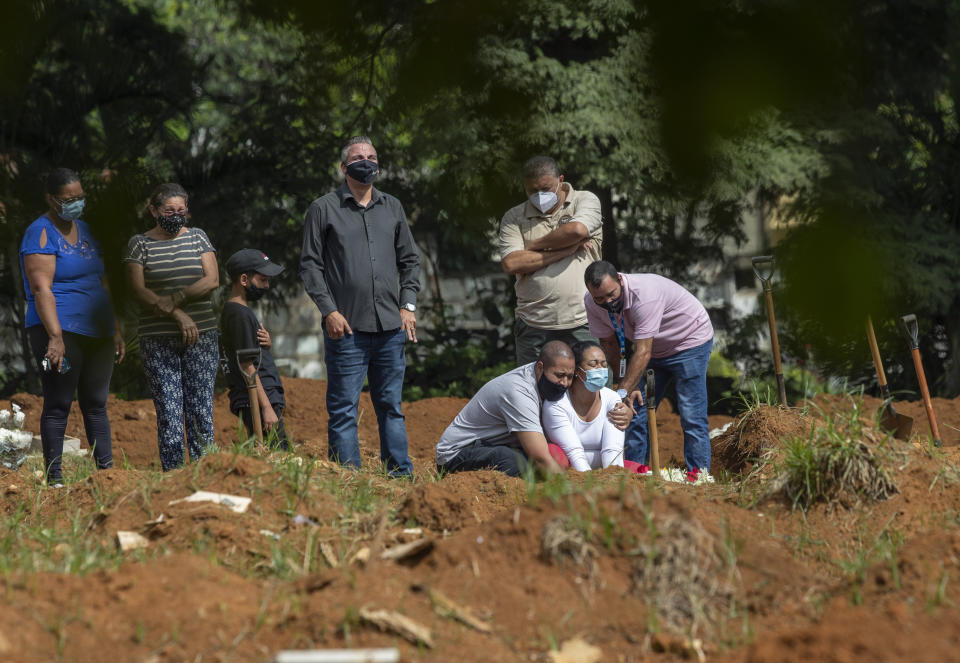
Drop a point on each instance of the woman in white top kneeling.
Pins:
(577, 426)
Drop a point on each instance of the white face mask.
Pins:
(544, 200)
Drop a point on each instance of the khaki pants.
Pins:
(530, 339)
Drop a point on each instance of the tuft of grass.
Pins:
(565, 543)
(688, 582)
(938, 595)
(831, 464)
(757, 398)
(33, 545)
(885, 549)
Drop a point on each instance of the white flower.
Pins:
(677, 475)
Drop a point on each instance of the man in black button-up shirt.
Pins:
(360, 266)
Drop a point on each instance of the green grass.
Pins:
(832, 463)
(884, 549)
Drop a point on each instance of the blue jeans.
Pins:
(349, 360)
(689, 369)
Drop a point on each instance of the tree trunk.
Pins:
(951, 374)
(20, 305)
(611, 248)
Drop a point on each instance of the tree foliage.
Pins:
(681, 117)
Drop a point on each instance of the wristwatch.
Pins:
(622, 393)
(410, 307)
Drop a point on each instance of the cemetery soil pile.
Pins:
(603, 566)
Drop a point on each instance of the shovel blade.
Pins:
(894, 422)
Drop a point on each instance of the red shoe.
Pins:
(645, 471)
(693, 475)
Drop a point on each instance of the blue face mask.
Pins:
(596, 379)
(71, 211)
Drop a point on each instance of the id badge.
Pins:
(623, 366)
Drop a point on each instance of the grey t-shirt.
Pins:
(505, 405)
(170, 265)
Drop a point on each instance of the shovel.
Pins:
(652, 423)
(772, 321)
(890, 420)
(250, 381)
(909, 325)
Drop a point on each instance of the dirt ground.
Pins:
(639, 570)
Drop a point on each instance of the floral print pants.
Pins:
(181, 379)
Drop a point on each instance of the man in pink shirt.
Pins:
(666, 329)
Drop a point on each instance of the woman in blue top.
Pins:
(69, 321)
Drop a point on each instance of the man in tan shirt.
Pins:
(547, 242)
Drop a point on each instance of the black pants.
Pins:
(477, 456)
(91, 365)
(281, 440)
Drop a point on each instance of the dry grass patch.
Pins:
(688, 582)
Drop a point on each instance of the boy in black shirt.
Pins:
(250, 271)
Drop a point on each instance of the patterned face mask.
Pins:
(171, 224)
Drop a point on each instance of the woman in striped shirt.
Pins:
(173, 271)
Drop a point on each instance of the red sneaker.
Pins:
(645, 471)
(693, 475)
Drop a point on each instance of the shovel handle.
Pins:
(772, 322)
(652, 423)
(242, 354)
(925, 393)
(764, 278)
(877, 361)
(650, 390)
(908, 324)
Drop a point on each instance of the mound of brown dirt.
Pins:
(892, 634)
(166, 609)
(946, 410)
(754, 432)
(460, 499)
(131, 500)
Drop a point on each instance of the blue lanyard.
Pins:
(620, 332)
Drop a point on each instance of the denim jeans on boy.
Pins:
(689, 369)
(349, 361)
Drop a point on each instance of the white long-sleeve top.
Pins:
(589, 445)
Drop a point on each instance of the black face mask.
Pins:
(550, 391)
(364, 171)
(616, 305)
(171, 224)
(254, 293)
